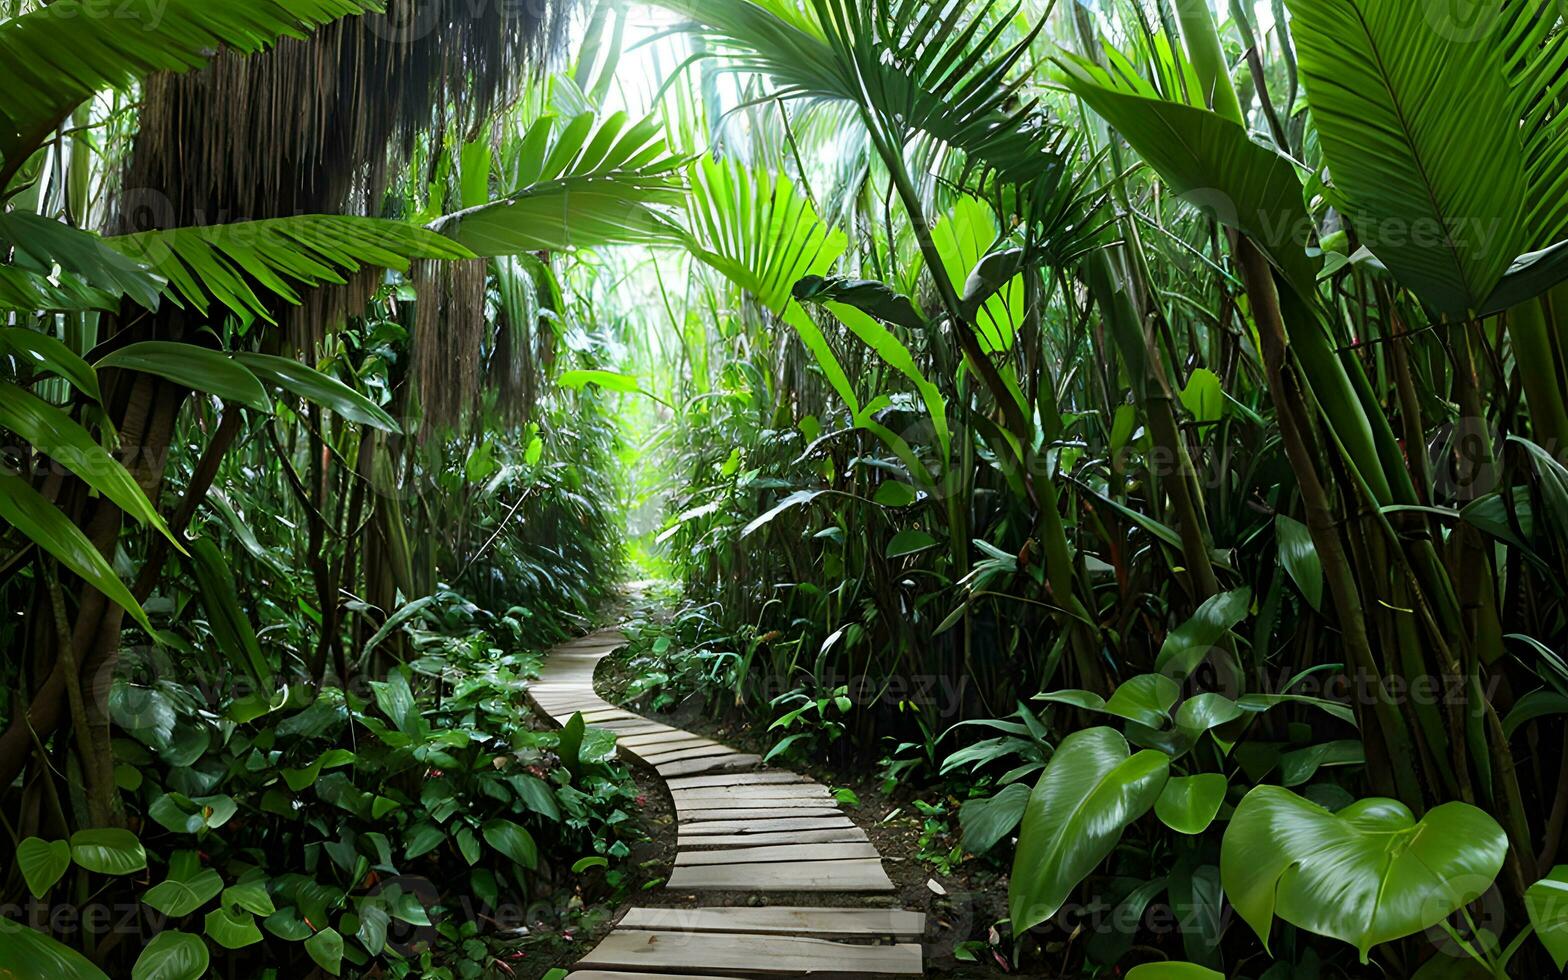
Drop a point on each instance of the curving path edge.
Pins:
(742, 828)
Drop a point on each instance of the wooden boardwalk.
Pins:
(743, 828)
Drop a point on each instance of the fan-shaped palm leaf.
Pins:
(758, 230)
(941, 69)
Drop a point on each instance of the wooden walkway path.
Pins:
(743, 828)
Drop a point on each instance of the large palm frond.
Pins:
(224, 263)
(1534, 43)
(59, 55)
(585, 187)
(1422, 135)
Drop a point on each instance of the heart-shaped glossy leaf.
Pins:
(43, 863)
(1369, 874)
(326, 948)
(232, 929)
(1547, 903)
(251, 896)
(109, 851)
(1188, 804)
(1088, 794)
(179, 898)
(172, 955)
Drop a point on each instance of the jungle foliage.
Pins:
(1140, 422)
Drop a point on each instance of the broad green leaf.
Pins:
(177, 898)
(513, 841)
(986, 822)
(569, 745)
(1189, 804)
(373, 923)
(1369, 874)
(251, 896)
(1301, 765)
(909, 542)
(29, 953)
(1088, 794)
(28, 511)
(1193, 641)
(1263, 702)
(1211, 162)
(232, 929)
(1173, 970)
(318, 389)
(1203, 397)
(608, 380)
(326, 948)
(172, 955)
(44, 353)
(876, 299)
(1202, 712)
(1547, 903)
(1146, 699)
(197, 368)
(109, 851)
(1299, 555)
(1421, 134)
(42, 863)
(299, 779)
(895, 493)
(287, 924)
(467, 845)
(592, 861)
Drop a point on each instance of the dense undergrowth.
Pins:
(1132, 432)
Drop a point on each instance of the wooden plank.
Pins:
(756, 813)
(693, 767)
(634, 726)
(737, 779)
(669, 736)
(774, 825)
(786, 920)
(843, 835)
(776, 854)
(764, 956)
(863, 875)
(690, 752)
(745, 801)
(775, 791)
(623, 975)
